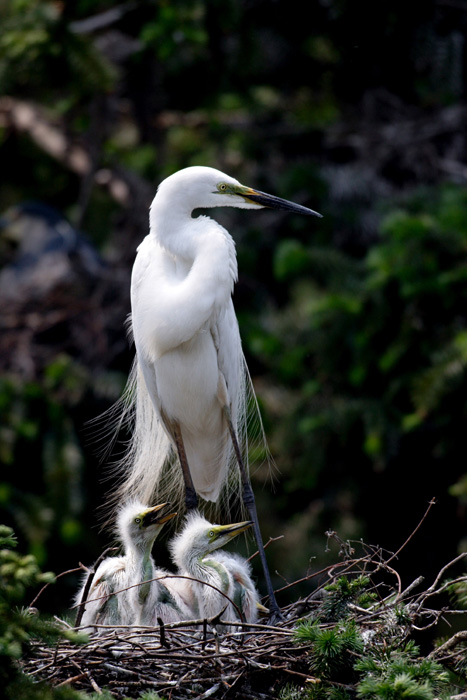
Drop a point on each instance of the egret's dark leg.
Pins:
(250, 503)
(191, 499)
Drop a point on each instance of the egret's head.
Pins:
(202, 187)
(199, 537)
(139, 525)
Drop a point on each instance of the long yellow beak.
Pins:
(152, 517)
(233, 529)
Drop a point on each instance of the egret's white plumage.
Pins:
(123, 591)
(194, 552)
(189, 384)
(185, 332)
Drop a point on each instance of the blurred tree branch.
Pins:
(50, 136)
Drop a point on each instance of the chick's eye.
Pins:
(137, 520)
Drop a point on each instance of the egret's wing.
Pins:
(242, 400)
(171, 599)
(184, 595)
(226, 336)
(245, 596)
(171, 300)
(101, 606)
(149, 376)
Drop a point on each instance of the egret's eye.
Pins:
(137, 520)
(222, 187)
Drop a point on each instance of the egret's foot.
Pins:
(275, 615)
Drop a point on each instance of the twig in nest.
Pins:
(164, 642)
(82, 604)
(270, 541)
(91, 679)
(346, 550)
(430, 506)
(64, 573)
(410, 588)
(453, 642)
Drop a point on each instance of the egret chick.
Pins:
(190, 385)
(122, 592)
(194, 553)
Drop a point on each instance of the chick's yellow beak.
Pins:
(233, 529)
(157, 515)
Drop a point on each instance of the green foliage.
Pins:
(400, 674)
(324, 264)
(20, 625)
(342, 594)
(332, 648)
(177, 32)
(458, 592)
(33, 422)
(18, 572)
(382, 344)
(38, 52)
(291, 692)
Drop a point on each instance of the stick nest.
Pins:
(178, 660)
(200, 659)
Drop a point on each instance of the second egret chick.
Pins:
(194, 553)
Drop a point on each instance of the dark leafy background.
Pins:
(354, 326)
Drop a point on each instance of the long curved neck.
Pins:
(205, 568)
(219, 571)
(168, 226)
(141, 564)
(175, 229)
(202, 251)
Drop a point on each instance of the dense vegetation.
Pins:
(354, 327)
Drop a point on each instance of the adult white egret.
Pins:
(122, 591)
(190, 382)
(194, 553)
